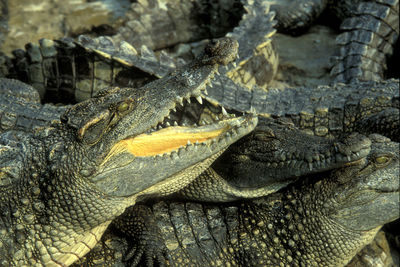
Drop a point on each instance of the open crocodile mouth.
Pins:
(191, 123)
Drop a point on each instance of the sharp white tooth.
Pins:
(205, 90)
(211, 85)
(224, 111)
(188, 100)
(217, 72)
(181, 101)
(175, 123)
(159, 127)
(169, 116)
(234, 64)
(167, 124)
(174, 109)
(237, 56)
(199, 99)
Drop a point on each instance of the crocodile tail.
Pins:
(369, 37)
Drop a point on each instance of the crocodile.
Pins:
(159, 24)
(321, 220)
(369, 32)
(67, 71)
(62, 184)
(365, 107)
(368, 40)
(365, 100)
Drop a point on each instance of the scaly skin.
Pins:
(271, 157)
(68, 71)
(322, 220)
(296, 16)
(323, 111)
(250, 168)
(368, 39)
(63, 184)
(158, 25)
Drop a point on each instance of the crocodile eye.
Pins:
(383, 160)
(122, 107)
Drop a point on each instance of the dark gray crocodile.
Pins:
(370, 30)
(62, 184)
(75, 70)
(368, 40)
(159, 24)
(366, 107)
(294, 17)
(322, 220)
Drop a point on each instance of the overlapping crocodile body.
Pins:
(287, 227)
(369, 37)
(324, 110)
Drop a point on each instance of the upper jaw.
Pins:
(147, 159)
(128, 148)
(155, 101)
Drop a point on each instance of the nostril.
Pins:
(64, 118)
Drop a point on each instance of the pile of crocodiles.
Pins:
(191, 158)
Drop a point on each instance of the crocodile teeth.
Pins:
(211, 85)
(199, 99)
(188, 100)
(175, 123)
(205, 90)
(224, 111)
(167, 124)
(234, 64)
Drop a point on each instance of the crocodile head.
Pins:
(81, 172)
(128, 142)
(276, 154)
(369, 191)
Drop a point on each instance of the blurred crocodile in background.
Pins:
(370, 30)
(67, 71)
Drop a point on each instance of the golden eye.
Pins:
(122, 107)
(383, 160)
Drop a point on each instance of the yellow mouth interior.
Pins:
(165, 140)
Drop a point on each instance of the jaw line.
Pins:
(123, 174)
